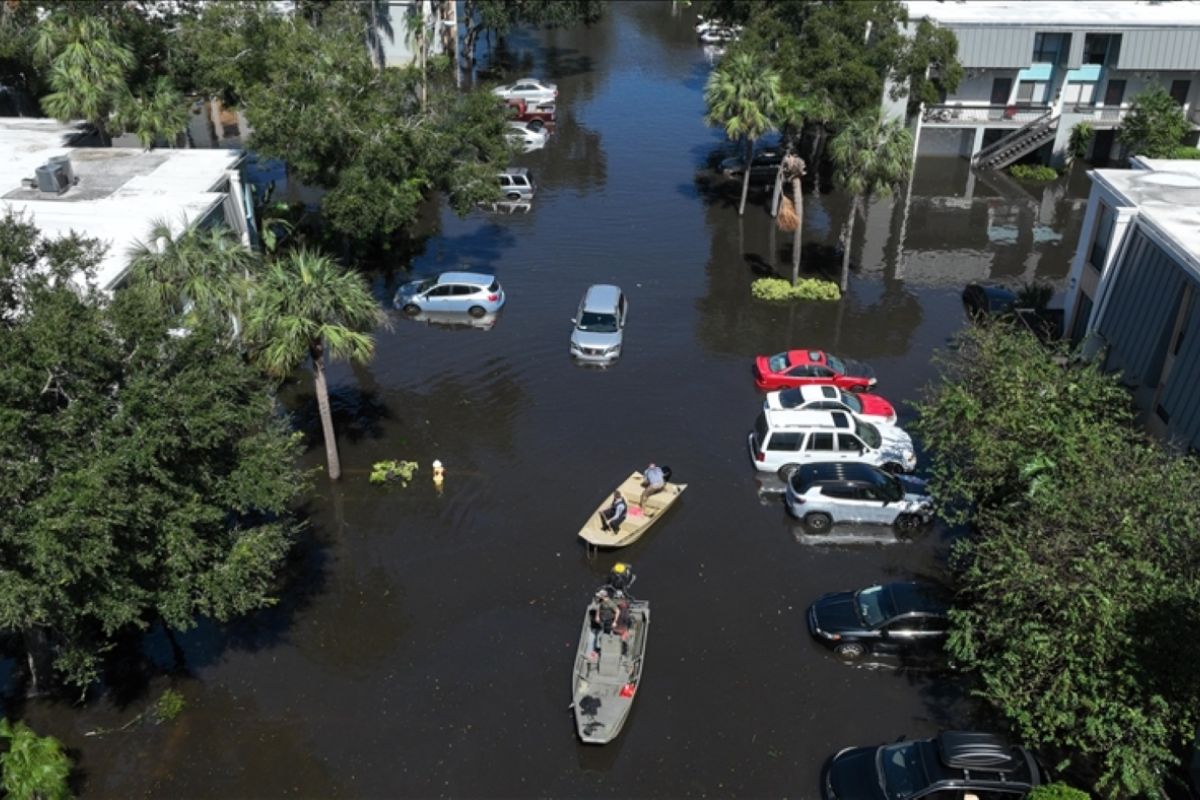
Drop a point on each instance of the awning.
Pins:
(1039, 73)
(1086, 73)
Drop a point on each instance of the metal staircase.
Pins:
(1022, 141)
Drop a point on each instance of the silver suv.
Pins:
(516, 183)
(599, 325)
(823, 493)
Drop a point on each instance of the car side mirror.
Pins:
(574, 321)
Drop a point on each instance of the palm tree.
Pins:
(741, 95)
(198, 274)
(88, 69)
(306, 306)
(417, 29)
(871, 156)
(161, 114)
(793, 170)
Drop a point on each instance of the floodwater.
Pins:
(425, 640)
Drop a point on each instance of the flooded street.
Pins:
(425, 643)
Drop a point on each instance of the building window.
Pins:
(1029, 92)
(1102, 239)
(1051, 48)
(1101, 48)
(1179, 91)
(1114, 93)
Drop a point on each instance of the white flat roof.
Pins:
(1081, 13)
(1166, 194)
(121, 191)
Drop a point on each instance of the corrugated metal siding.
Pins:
(1180, 399)
(1075, 56)
(994, 47)
(1161, 48)
(1140, 301)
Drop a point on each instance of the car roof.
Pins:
(473, 278)
(601, 297)
(910, 596)
(811, 392)
(807, 418)
(816, 472)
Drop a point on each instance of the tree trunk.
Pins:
(37, 654)
(778, 190)
(798, 194)
(424, 49)
(176, 649)
(812, 159)
(331, 451)
(746, 175)
(845, 282)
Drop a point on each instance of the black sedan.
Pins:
(897, 618)
(954, 764)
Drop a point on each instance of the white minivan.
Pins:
(783, 439)
(599, 325)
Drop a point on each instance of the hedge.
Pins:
(1032, 172)
(780, 289)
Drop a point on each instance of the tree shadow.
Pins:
(358, 414)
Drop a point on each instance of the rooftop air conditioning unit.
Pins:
(54, 178)
(65, 161)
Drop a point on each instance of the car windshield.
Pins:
(422, 285)
(790, 398)
(852, 402)
(894, 489)
(778, 362)
(900, 771)
(597, 323)
(874, 606)
(868, 433)
(835, 363)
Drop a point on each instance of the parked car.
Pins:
(717, 34)
(983, 300)
(870, 407)
(954, 764)
(904, 617)
(475, 293)
(531, 90)
(784, 439)
(521, 111)
(825, 493)
(516, 183)
(811, 367)
(520, 135)
(599, 325)
(763, 166)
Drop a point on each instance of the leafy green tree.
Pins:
(34, 767)
(501, 16)
(1057, 791)
(1082, 571)
(1154, 126)
(307, 307)
(871, 156)
(144, 476)
(741, 96)
(160, 114)
(88, 68)
(202, 275)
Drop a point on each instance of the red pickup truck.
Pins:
(521, 111)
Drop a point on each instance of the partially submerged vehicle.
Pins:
(608, 663)
(638, 518)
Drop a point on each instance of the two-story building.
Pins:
(1035, 69)
(1132, 294)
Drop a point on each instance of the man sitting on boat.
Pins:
(612, 517)
(606, 618)
(654, 480)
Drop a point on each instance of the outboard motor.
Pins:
(621, 578)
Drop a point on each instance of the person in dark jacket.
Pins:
(612, 517)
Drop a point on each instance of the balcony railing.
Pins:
(1113, 114)
(1000, 116)
(1194, 116)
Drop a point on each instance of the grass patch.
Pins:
(779, 289)
(1032, 172)
(1186, 153)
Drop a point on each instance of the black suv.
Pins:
(763, 166)
(954, 764)
(898, 618)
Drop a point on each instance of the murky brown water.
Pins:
(425, 646)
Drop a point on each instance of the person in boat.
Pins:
(606, 617)
(612, 517)
(654, 480)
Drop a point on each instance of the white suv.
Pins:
(783, 438)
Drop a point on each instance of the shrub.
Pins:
(1187, 153)
(387, 471)
(1035, 295)
(780, 289)
(1032, 172)
(1057, 791)
(1081, 139)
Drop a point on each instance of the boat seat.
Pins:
(610, 654)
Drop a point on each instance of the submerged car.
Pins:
(824, 493)
(809, 368)
(901, 618)
(531, 90)
(525, 138)
(782, 440)
(475, 293)
(763, 166)
(516, 183)
(599, 325)
(870, 407)
(954, 764)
